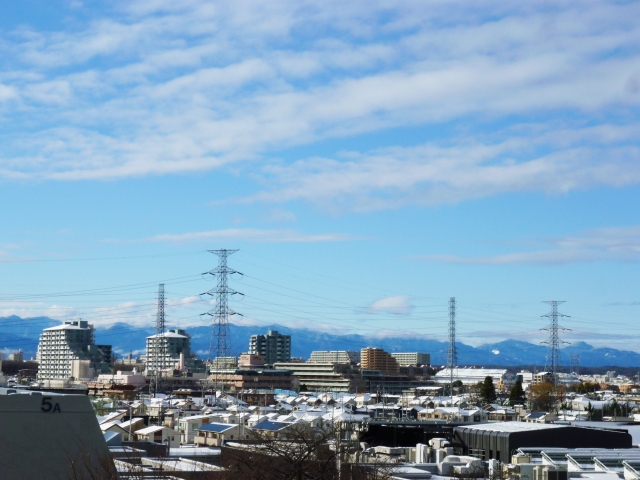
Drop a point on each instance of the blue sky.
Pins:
(369, 160)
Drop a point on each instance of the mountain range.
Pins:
(18, 333)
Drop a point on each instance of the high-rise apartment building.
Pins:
(168, 350)
(414, 359)
(273, 346)
(378, 359)
(337, 356)
(60, 346)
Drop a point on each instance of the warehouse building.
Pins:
(499, 440)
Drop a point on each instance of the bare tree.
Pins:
(300, 451)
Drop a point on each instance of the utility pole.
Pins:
(220, 344)
(452, 355)
(552, 364)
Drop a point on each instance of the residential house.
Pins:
(188, 426)
(272, 429)
(116, 427)
(503, 415)
(541, 417)
(215, 434)
(159, 434)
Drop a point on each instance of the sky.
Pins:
(369, 160)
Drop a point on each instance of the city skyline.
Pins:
(369, 163)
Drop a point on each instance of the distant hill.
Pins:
(16, 333)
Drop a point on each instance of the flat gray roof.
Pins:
(513, 426)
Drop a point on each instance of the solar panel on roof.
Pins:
(271, 426)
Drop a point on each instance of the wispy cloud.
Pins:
(134, 313)
(252, 235)
(201, 85)
(555, 162)
(617, 244)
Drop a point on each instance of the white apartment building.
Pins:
(337, 356)
(60, 346)
(168, 350)
(412, 358)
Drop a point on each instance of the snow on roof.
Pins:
(148, 430)
(66, 326)
(472, 372)
(168, 335)
(108, 425)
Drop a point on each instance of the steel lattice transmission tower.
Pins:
(220, 344)
(159, 345)
(575, 364)
(552, 364)
(452, 354)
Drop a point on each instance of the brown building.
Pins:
(258, 379)
(325, 377)
(378, 359)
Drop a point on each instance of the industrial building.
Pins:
(273, 346)
(473, 376)
(499, 440)
(168, 350)
(406, 359)
(337, 356)
(378, 359)
(71, 343)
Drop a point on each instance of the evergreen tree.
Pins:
(516, 396)
(488, 391)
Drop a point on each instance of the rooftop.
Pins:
(513, 426)
(216, 427)
(168, 335)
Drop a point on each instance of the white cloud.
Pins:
(134, 313)
(617, 244)
(551, 161)
(398, 305)
(161, 88)
(252, 235)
